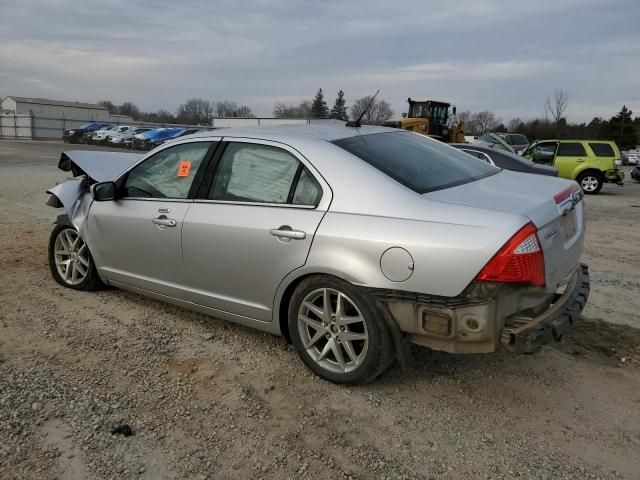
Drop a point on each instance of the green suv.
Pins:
(591, 163)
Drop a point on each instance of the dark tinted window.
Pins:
(570, 150)
(602, 149)
(516, 139)
(418, 162)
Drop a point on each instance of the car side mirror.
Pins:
(104, 191)
(404, 114)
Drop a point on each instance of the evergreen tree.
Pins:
(621, 129)
(319, 107)
(339, 110)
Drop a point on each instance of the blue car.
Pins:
(153, 138)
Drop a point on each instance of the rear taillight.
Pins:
(520, 260)
(566, 193)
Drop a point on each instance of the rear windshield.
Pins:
(515, 139)
(418, 162)
(602, 149)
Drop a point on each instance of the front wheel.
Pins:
(70, 261)
(339, 332)
(591, 183)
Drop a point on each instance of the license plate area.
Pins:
(568, 224)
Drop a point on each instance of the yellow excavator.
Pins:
(433, 119)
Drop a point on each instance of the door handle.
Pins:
(164, 221)
(580, 160)
(285, 231)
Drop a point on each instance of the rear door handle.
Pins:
(285, 231)
(580, 160)
(164, 221)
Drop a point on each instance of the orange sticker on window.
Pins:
(184, 168)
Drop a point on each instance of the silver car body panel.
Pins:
(222, 260)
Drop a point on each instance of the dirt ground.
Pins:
(207, 399)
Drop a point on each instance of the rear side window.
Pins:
(264, 174)
(602, 149)
(570, 150)
(416, 161)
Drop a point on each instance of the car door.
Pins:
(542, 152)
(253, 225)
(569, 156)
(136, 239)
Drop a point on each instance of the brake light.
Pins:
(566, 193)
(520, 260)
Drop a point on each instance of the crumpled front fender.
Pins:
(73, 194)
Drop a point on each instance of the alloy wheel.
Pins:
(71, 257)
(333, 331)
(589, 183)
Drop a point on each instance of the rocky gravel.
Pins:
(207, 399)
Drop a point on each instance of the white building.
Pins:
(45, 108)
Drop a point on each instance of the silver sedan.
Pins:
(352, 242)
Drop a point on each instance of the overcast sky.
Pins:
(505, 55)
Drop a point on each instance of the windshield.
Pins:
(416, 161)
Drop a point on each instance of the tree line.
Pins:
(379, 111)
(194, 111)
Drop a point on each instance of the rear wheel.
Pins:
(338, 331)
(70, 261)
(590, 182)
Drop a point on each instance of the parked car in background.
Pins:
(635, 173)
(433, 247)
(189, 131)
(518, 141)
(117, 138)
(494, 141)
(631, 158)
(100, 136)
(503, 159)
(591, 163)
(153, 138)
(103, 136)
(74, 135)
(87, 136)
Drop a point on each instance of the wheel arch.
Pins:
(288, 286)
(588, 169)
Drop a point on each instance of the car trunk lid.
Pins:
(549, 203)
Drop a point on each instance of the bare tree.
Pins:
(556, 106)
(196, 110)
(514, 124)
(244, 111)
(377, 114)
(484, 121)
(226, 109)
(303, 110)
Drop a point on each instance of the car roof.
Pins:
(328, 131)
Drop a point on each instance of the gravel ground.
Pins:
(207, 399)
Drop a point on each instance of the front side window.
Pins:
(543, 152)
(416, 161)
(573, 149)
(255, 173)
(167, 174)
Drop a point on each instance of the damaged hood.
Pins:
(98, 166)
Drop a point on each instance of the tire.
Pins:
(590, 182)
(366, 353)
(65, 245)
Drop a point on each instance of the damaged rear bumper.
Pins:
(527, 335)
(489, 316)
